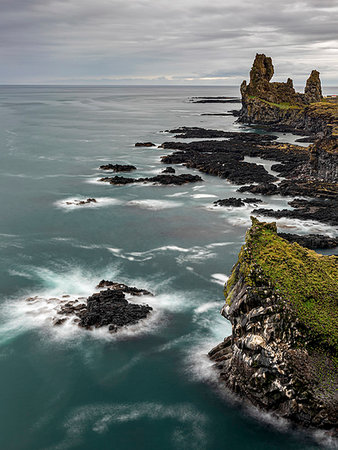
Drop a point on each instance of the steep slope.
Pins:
(282, 302)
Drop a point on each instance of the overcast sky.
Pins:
(165, 41)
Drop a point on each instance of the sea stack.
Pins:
(282, 302)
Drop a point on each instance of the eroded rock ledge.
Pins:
(282, 302)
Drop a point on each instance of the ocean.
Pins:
(152, 385)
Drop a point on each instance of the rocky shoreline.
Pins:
(281, 298)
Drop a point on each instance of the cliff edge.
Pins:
(282, 302)
(281, 108)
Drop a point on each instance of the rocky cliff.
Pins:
(282, 302)
(280, 107)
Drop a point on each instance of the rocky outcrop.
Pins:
(313, 88)
(236, 202)
(312, 241)
(107, 308)
(118, 167)
(281, 107)
(158, 179)
(282, 302)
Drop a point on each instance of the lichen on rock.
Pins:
(282, 302)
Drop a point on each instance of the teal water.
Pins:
(151, 387)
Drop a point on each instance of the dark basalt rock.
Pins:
(204, 133)
(169, 170)
(106, 308)
(82, 202)
(236, 202)
(325, 211)
(158, 179)
(215, 100)
(144, 144)
(263, 188)
(110, 308)
(252, 200)
(232, 201)
(118, 167)
(222, 165)
(122, 287)
(311, 241)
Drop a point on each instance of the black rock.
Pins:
(263, 188)
(158, 179)
(312, 241)
(232, 201)
(118, 167)
(144, 144)
(169, 170)
(110, 308)
(122, 287)
(82, 202)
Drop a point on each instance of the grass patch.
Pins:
(307, 281)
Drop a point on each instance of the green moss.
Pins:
(307, 281)
(283, 105)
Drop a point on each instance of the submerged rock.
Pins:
(282, 302)
(82, 202)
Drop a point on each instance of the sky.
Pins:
(201, 42)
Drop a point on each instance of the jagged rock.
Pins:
(118, 167)
(262, 188)
(110, 308)
(144, 144)
(311, 241)
(82, 202)
(158, 179)
(281, 300)
(107, 308)
(169, 170)
(232, 201)
(325, 211)
(313, 88)
(122, 287)
(236, 202)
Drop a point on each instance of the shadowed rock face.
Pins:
(313, 88)
(281, 353)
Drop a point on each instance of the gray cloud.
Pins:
(155, 40)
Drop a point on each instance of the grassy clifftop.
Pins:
(307, 281)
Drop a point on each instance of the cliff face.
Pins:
(282, 302)
(279, 106)
(278, 103)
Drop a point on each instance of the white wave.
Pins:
(188, 423)
(71, 203)
(197, 188)
(204, 196)
(154, 205)
(206, 307)
(73, 284)
(213, 328)
(178, 194)
(219, 278)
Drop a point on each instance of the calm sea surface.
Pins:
(149, 388)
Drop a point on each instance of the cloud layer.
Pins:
(163, 42)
